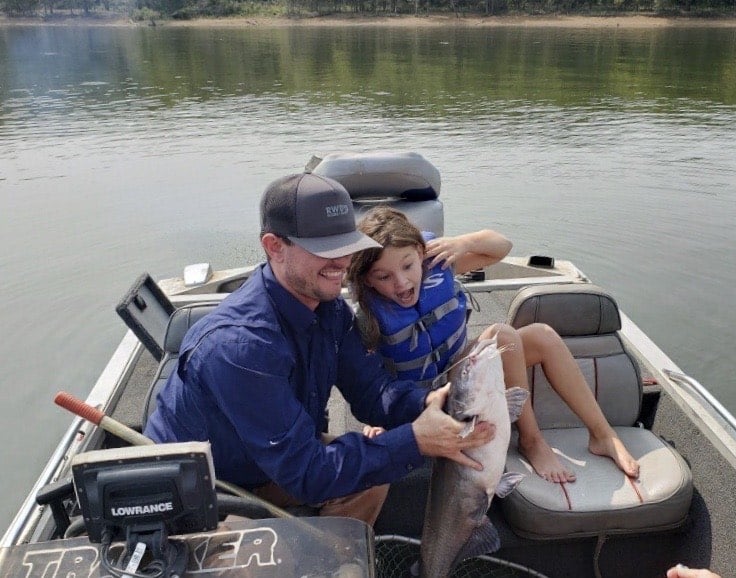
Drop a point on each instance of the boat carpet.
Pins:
(129, 408)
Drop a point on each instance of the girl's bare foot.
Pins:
(614, 448)
(545, 461)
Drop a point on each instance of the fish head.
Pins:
(476, 379)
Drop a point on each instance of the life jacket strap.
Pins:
(422, 324)
(434, 356)
(435, 382)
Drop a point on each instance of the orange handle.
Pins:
(98, 417)
(77, 406)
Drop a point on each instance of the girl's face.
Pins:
(397, 274)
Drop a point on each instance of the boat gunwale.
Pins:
(705, 416)
(77, 436)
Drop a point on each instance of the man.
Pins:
(255, 375)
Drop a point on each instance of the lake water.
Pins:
(125, 150)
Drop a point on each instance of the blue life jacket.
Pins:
(419, 342)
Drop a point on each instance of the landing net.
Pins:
(396, 554)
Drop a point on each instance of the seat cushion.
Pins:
(602, 499)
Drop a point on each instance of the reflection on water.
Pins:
(125, 150)
(427, 73)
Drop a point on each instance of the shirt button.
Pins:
(409, 467)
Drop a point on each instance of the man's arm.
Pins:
(375, 397)
(280, 436)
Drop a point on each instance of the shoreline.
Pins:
(638, 21)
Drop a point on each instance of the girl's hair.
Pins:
(390, 228)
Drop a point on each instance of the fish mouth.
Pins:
(469, 427)
(471, 356)
(479, 347)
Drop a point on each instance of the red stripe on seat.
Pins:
(636, 489)
(563, 487)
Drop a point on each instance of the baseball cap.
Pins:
(314, 212)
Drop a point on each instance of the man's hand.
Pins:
(681, 571)
(438, 435)
(439, 395)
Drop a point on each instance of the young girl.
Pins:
(414, 314)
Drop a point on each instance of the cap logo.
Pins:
(336, 210)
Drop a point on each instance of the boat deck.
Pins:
(705, 541)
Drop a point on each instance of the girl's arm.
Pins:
(469, 251)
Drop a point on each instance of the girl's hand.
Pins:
(469, 251)
(445, 250)
(371, 431)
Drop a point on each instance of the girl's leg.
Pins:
(531, 442)
(541, 344)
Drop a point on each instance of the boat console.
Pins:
(140, 495)
(153, 511)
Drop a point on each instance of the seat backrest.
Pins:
(403, 180)
(179, 323)
(588, 320)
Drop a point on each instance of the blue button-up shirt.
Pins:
(254, 377)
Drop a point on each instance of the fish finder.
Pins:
(140, 496)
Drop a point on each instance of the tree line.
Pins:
(189, 9)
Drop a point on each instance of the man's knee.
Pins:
(364, 505)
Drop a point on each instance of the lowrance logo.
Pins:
(141, 510)
(336, 210)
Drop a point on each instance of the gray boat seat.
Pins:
(179, 322)
(602, 500)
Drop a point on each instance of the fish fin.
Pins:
(508, 483)
(516, 398)
(483, 540)
(469, 427)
